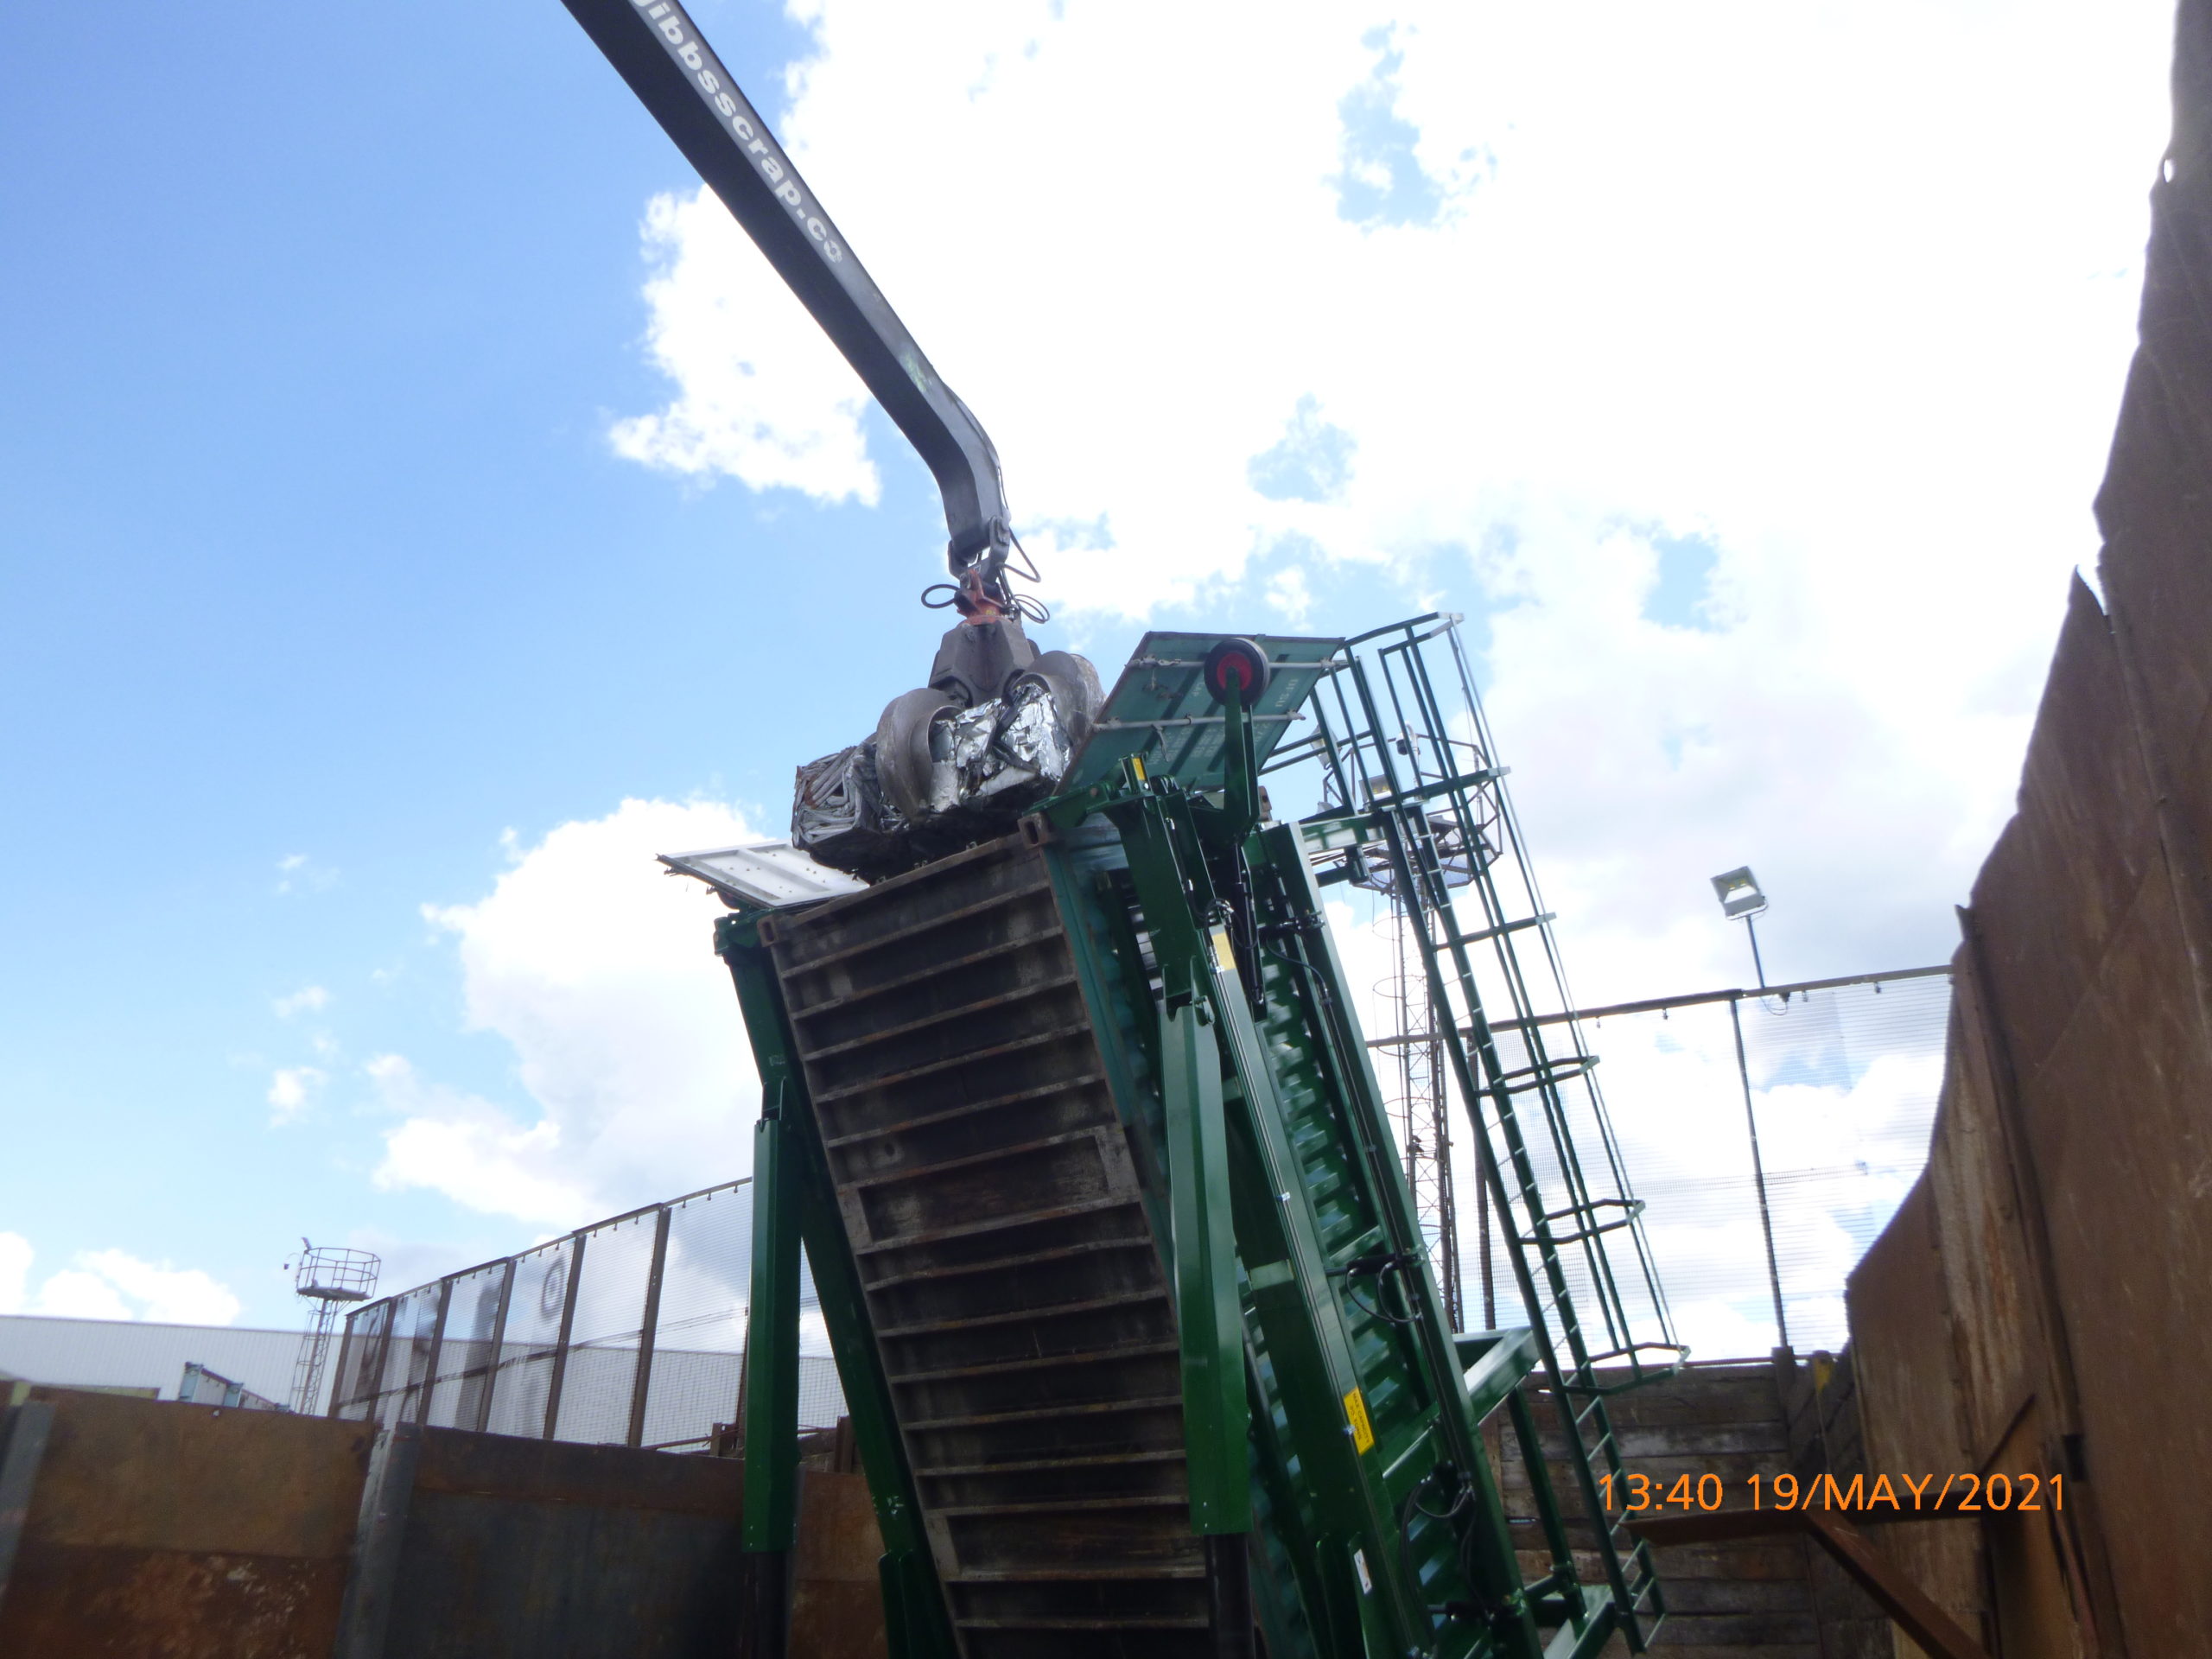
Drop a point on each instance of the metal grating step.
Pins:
(1148, 1500)
(970, 1269)
(968, 1109)
(995, 1224)
(1135, 1621)
(964, 1011)
(1035, 1039)
(933, 970)
(1085, 1574)
(884, 941)
(1113, 1460)
(1022, 1315)
(995, 1154)
(1040, 1363)
(1038, 1414)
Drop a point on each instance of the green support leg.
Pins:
(1216, 1415)
(771, 1349)
(769, 1528)
(1216, 1410)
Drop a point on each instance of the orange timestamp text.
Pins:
(1964, 1494)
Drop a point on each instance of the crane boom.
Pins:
(659, 51)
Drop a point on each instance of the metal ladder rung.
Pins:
(1429, 791)
(1631, 1208)
(1490, 933)
(1565, 1069)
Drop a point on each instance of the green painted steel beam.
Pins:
(1496, 1361)
(1216, 1417)
(771, 1345)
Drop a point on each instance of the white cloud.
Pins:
(289, 1087)
(598, 969)
(1843, 295)
(182, 1296)
(474, 1151)
(75, 1294)
(764, 397)
(311, 999)
(1856, 315)
(1289, 597)
(112, 1285)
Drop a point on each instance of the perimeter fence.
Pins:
(1771, 1134)
(630, 1331)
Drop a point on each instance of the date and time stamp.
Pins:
(1631, 1493)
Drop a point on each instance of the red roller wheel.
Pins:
(1237, 669)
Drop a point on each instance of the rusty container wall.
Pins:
(1988, 1274)
(1909, 1399)
(1752, 1597)
(1759, 1598)
(517, 1547)
(193, 1532)
(2050, 1284)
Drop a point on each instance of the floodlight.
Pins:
(1738, 893)
(1740, 900)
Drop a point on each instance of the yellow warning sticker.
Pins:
(1363, 1436)
(1225, 954)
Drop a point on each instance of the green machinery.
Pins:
(1139, 1337)
(1076, 1129)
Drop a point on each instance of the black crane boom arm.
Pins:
(660, 52)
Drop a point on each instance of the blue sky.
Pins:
(379, 495)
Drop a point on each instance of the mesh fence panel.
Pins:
(522, 1383)
(470, 1347)
(609, 1317)
(699, 1341)
(407, 1355)
(559, 1333)
(359, 1360)
(1842, 1084)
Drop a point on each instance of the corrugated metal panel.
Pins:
(131, 1353)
